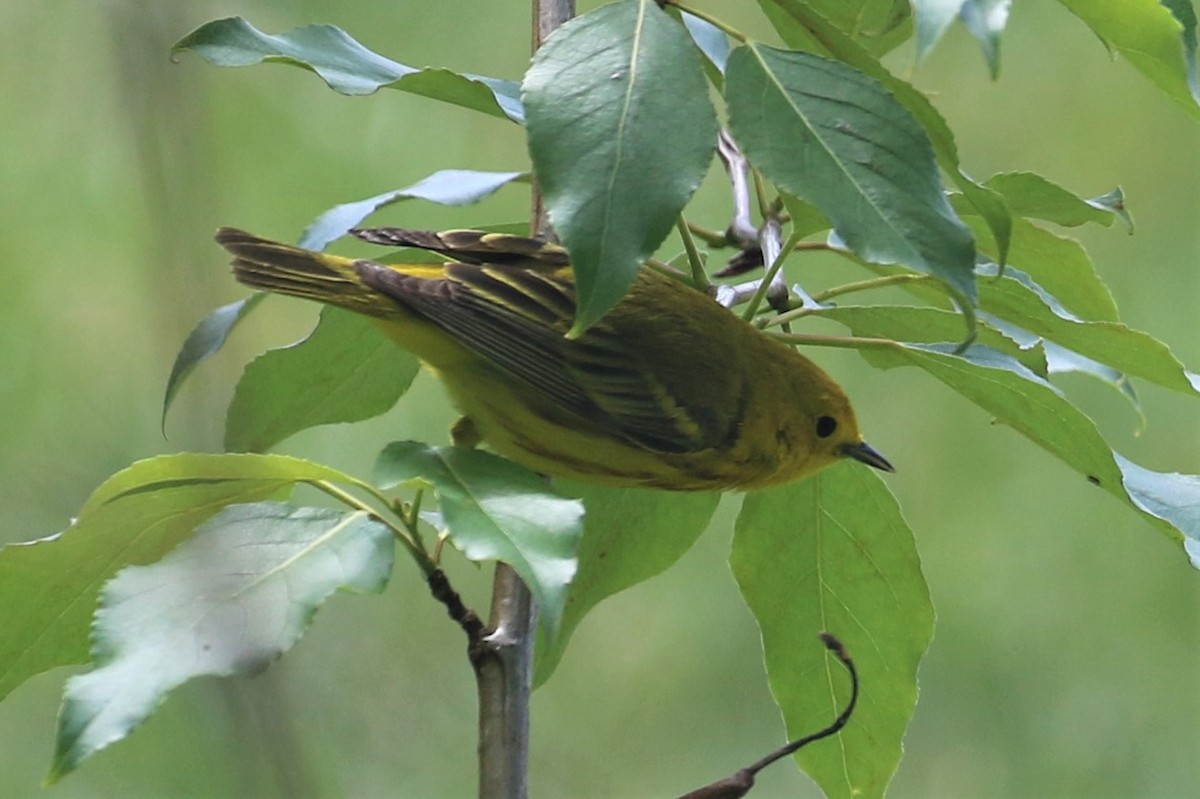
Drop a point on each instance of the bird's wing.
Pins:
(516, 319)
(473, 246)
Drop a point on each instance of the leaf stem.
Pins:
(413, 520)
(404, 536)
(840, 342)
(766, 208)
(837, 291)
(968, 311)
(699, 276)
(772, 271)
(741, 782)
(711, 238)
(873, 283)
(666, 270)
(415, 507)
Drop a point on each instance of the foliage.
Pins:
(1001, 303)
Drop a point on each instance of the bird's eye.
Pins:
(825, 426)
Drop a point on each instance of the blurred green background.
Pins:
(1066, 657)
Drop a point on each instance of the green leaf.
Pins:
(346, 66)
(1185, 14)
(205, 340)
(346, 370)
(230, 600)
(877, 26)
(1031, 195)
(1037, 410)
(187, 469)
(1150, 38)
(1059, 264)
(495, 509)
(805, 217)
(1171, 497)
(48, 587)
(621, 132)
(1016, 397)
(629, 536)
(446, 186)
(826, 39)
(832, 135)
(832, 553)
(1060, 360)
(929, 326)
(1019, 300)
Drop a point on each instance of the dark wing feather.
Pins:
(517, 318)
(619, 381)
(472, 246)
(518, 338)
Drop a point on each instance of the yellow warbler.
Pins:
(668, 390)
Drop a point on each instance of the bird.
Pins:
(668, 390)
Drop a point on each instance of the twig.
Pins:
(760, 245)
(742, 230)
(503, 662)
(439, 586)
(740, 782)
(772, 287)
(729, 296)
(503, 656)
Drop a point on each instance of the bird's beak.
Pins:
(864, 453)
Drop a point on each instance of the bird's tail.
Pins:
(272, 266)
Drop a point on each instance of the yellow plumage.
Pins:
(668, 390)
